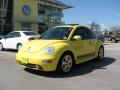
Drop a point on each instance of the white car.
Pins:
(15, 39)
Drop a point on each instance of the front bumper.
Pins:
(35, 61)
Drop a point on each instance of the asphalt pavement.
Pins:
(92, 75)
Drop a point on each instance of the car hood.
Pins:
(37, 45)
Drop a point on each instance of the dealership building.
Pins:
(37, 15)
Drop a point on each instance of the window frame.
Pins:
(15, 36)
(79, 28)
(87, 32)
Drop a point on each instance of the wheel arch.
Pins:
(70, 52)
(2, 48)
(58, 68)
(99, 49)
(98, 46)
(18, 44)
(113, 37)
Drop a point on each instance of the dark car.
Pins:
(101, 37)
(115, 38)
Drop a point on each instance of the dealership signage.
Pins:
(26, 10)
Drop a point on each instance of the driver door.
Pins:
(80, 46)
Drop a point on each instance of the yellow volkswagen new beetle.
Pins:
(60, 48)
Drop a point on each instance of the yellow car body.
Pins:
(32, 54)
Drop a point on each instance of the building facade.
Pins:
(37, 15)
(6, 14)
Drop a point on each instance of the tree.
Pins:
(95, 27)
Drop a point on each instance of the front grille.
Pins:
(33, 66)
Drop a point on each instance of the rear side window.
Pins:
(30, 33)
(16, 34)
(90, 34)
(85, 33)
(80, 32)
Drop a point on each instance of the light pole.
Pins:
(2, 17)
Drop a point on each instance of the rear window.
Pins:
(30, 33)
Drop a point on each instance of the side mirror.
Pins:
(77, 37)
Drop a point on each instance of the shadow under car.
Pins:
(81, 69)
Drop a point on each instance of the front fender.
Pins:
(62, 48)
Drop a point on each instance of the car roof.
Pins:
(23, 31)
(72, 25)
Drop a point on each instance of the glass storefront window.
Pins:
(53, 14)
(25, 26)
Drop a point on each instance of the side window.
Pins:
(10, 35)
(90, 34)
(13, 35)
(16, 34)
(80, 31)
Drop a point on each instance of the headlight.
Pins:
(49, 50)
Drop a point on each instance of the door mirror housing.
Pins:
(77, 37)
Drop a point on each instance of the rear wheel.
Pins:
(18, 46)
(1, 47)
(100, 54)
(65, 64)
(113, 40)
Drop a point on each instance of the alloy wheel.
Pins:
(101, 53)
(67, 63)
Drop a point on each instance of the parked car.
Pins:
(60, 48)
(14, 40)
(101, 37)
(115, 38)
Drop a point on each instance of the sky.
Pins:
(104, 12)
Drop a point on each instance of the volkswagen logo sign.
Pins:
(26, 10)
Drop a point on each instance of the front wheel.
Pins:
(65, 64)
(100, 54)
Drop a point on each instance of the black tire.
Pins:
(100, 54)
(1, 47)
(18, 46)
(65, 66)
(113, 40)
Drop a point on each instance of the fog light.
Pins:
(46, 61)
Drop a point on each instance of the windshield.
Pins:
(30, 33)
(57, 33)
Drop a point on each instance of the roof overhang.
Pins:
(26, 20)
(54, 3)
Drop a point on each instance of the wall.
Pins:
(19, 16)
